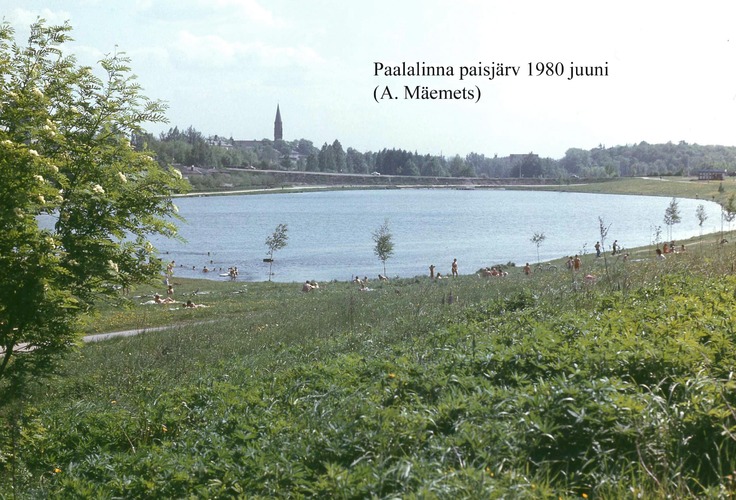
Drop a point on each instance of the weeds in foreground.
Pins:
(530, 387)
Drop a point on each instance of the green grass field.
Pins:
(542, 386)
(680, 187)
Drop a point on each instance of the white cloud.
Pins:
(251, 9)
(21, 19)
(215, 51)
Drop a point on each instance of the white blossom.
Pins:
(37, 92)
(41, 199)
(39, 178)
(98, 189)
(112, 265)
(177, 173)
(33, 152)
(55, 169)
(175, 208)
(7, 142)
(122, 177)
(18, 213)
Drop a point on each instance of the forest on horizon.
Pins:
(192, 148)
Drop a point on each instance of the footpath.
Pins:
(111, 335)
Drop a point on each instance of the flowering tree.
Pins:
(78, 201)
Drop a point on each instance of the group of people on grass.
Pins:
(309, 286)
(438, 275)
(573, 264)
(169, 299)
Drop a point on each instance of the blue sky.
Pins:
(223, 66)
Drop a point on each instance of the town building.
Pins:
(711, 175)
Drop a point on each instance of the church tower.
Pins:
(278, 132)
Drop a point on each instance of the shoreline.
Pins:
(690, 188)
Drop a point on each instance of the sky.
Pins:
(223, 66)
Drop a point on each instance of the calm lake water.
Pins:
(330, 232)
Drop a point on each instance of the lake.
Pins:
(330, 232)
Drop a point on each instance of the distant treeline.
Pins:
(192, 148)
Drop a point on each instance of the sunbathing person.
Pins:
(192, 305)
(168, 300)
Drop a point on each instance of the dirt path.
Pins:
(111, 335)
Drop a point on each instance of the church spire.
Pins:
(278, 132)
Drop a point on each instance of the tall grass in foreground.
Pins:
(549, 385)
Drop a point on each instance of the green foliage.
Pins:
(672, 215)
(78, 199)
(276, 241)
(524, 388)
(384, 245)
(538, 239)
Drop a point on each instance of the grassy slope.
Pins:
(666, 186)
(522, 386)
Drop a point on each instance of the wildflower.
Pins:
(56, 470)
(122, 177)
(584, 495)
(163, 428)
(113, 402)
(98, 189)
(391, 375)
